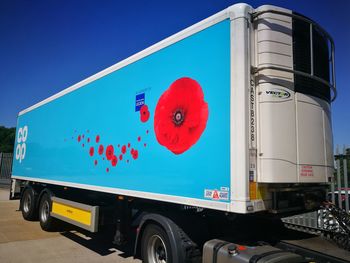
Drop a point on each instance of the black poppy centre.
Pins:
(178, 117)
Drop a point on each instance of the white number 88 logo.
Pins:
(21, 145)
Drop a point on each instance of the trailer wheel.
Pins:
(47, 222)
(28, 205)
(155, 245)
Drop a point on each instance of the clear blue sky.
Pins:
(46, 46)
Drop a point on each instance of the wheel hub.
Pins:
(45, 211)
(27, 203)
(156, 250)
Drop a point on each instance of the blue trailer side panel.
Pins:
(61, 140)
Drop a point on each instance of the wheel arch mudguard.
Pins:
(179, 241)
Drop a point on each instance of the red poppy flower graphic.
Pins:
(100, 149)
(181, 115)
(109, 152)
(144, 113)
(114, 160)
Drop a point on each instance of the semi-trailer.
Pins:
(231, 116)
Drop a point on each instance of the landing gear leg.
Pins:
(123, 222)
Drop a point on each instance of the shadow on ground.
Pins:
(254, 230)
(100, 243)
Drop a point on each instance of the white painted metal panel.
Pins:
(311, 138)
(277, 155)
(240, 81)
(278, 137)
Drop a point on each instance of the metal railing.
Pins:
(340, 189)
(5, 168)
(318, 221)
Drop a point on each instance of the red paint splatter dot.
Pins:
(139, 138)
(100, 149)
(83, 145)
(88, 139)
(121, 157)
(145, 144)
(107, 170)
(79, 138)
(135, 154)
(132, 150)
(95, 162)
(129, 145)
(97, 138)
(109, 152)
(123, 149)
(92, 150)
(147, 131)
(114, 160)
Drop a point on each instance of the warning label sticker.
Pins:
(306, 170)
(216, 194)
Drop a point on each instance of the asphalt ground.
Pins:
(24, 241)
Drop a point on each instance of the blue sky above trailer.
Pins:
(47, 46)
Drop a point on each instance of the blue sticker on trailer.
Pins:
(177, 144)
(139, 101)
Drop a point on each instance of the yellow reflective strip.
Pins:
(252, 191)
(261, 191)
(73, 213)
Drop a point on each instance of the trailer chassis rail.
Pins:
(309, 253)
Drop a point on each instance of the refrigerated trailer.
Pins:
(229, 116)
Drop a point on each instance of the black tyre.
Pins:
(28, 205)
(47, 222)
(155, 245)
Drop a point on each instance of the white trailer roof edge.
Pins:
(232, 12)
